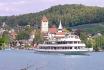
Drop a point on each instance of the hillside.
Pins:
(71, 15)
(91, 28)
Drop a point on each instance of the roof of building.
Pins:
(13, 33)
(53, 30)
(44, 19)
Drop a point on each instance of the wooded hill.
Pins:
(71, 15)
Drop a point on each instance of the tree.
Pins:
(1, 43)
(28, 29)
(67, 30)
(91, 42)
(38, 37)
(22, 36)
(4, 41)
(83, 36)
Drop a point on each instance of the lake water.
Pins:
(18, 60)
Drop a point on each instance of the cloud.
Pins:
(13, 7)
(10, 8)
(23, 6)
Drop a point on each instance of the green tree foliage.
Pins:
(28, 29)
(22, 36)
(4, 40)
(83, 37)
(96, 42)
(38, 37)
(1, 43)
(99, 43)
(91, 42)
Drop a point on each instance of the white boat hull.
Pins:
(68, 51)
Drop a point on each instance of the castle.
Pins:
(52, 32)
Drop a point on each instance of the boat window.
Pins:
(81, 46)
(66, 47)
(71, 36)
(60, 47)
(70, 47)
(40, 47)
(57, 47)
(64, 42)
(78, 42)
(76, 37)
(54, 47)
(78, 47)
(47, 42)
(58, 42)
(48, 47)
(75, 42)
(70, 42)
(75, 47)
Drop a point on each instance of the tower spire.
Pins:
(60, 26)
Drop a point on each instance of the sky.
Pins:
(17, 7)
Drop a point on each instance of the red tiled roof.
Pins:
(53, 30)
(13, 33)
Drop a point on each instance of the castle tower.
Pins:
(44, 24)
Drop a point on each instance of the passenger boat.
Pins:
(70, 44)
